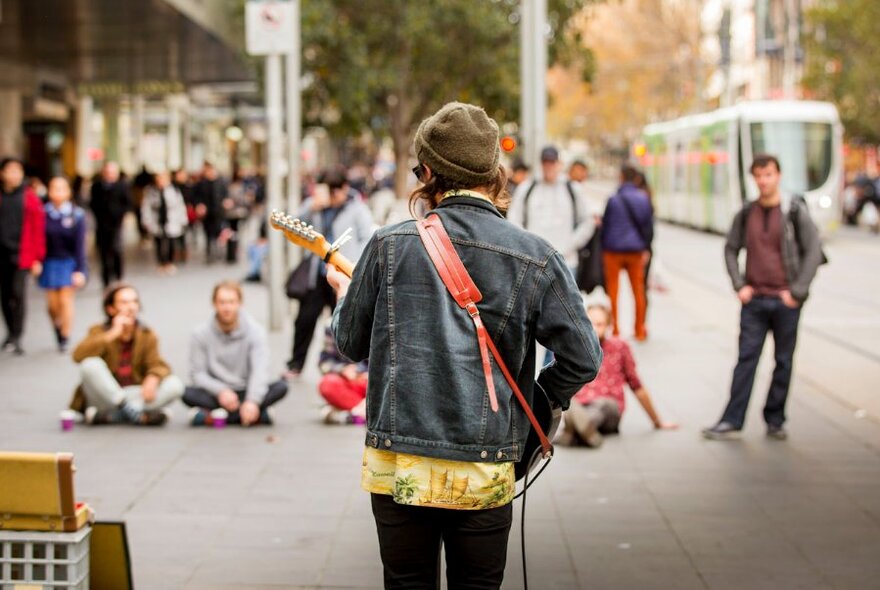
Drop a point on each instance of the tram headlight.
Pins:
(825, 202)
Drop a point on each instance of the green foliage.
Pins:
(843, 62)
(386, 64)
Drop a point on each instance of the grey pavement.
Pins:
(281, 506)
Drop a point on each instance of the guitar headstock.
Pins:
(299, 232)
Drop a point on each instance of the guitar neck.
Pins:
(342, 264)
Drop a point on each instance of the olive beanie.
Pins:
(460, 143)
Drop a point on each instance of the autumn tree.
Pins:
(843, 62)
(648, 67)
(384, 65)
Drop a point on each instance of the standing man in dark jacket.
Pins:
(110, 201)
(22, 246)
(627, 233)
(783, 252)
(209, 194)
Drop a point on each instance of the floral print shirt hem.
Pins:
(437, 483)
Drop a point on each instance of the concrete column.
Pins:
(533, 81)
(293, 120)
(188, 130)
(84, 142)
(110, 111)
(137, 130)
(274, 86)
(11, 137)
(174, 129)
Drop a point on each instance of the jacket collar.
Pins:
(465, 201)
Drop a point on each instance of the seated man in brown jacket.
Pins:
(124, 379)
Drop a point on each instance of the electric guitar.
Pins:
(304, 235)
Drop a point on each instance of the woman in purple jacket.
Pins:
(64, 269)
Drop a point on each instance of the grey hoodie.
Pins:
(238, 360)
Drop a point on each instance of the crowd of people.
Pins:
(396, 310)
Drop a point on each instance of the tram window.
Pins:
(804, 151)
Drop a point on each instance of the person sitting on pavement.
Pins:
(124, 378)
(343, 385)
(229, 364)
(600, 403)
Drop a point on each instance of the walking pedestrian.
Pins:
(331, 212)
(65, 269)
(627, 233)
(783, 252)
(184, 185)
(164, 215)
(22, 247)
(554, 208)
(209, 194)
(438, 462)
(110, 201)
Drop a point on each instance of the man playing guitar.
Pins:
(445, 429)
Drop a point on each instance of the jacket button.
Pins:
(375, 441)
(484, 454)
(387, 442)
(499, 454)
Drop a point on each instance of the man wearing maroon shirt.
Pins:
(783, 252)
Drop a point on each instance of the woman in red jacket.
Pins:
(22, 246)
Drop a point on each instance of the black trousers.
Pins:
(196, 397)
(759, 316)
(13, 286)
(410, 538)
(110, 254)
(232, 242)
(212, 228)
(166, 250)
(310, 309)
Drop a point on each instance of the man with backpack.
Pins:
(553, 208)
(783, 252)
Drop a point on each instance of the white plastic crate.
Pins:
(51, 561)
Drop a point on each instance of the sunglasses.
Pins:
(419, 171)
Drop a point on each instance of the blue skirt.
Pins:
(57, 273)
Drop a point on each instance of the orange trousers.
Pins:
(634, 266)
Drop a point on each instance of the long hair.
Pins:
(431, 192)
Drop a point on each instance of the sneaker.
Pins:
(8, 345)
(62, 345)
(96, 417)
(291, 374)
(721, 431)
(267, 417)
(58, 336)
(200, 417)
(17, 350)
(776, 432)
(154, 417)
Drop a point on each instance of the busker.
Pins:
(783, 252)
(440, 452)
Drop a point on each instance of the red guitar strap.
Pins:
(466, 294)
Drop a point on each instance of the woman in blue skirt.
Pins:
(64, 269)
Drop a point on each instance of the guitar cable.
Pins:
(522, 526)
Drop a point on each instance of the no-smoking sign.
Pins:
(269, 27)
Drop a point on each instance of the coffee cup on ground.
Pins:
(219, 417)
(67, 420)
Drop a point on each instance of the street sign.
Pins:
(269, 26)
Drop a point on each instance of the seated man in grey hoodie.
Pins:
(229, 364)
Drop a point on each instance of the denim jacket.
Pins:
(427, 393)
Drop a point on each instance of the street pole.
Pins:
(533, 76)
(273, 188)
(294, 127)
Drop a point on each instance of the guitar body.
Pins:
(549, 417)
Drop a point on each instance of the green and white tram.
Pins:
(698, 166)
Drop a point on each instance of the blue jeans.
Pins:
(759, 316)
